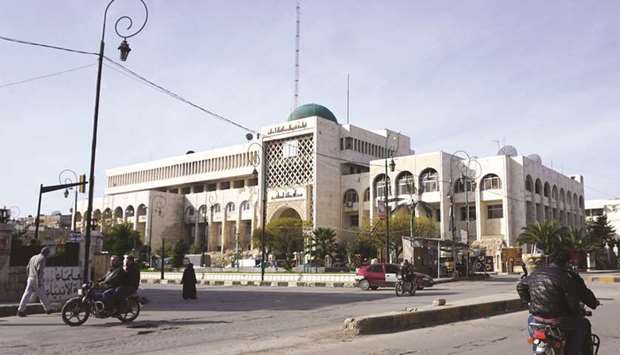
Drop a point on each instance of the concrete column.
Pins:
(479, 212)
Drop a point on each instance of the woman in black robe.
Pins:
(189, 282)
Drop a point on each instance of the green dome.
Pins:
(310, 110)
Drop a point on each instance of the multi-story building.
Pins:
(331, 175)
(609, 208)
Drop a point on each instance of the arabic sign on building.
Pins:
(287, 127)
(62, 282)
(286, 194)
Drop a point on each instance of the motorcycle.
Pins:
(78, 309)
(403, 286)
(547, 337)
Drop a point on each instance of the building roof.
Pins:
(311, 110)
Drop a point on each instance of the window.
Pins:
(380, 186)
(529, 184)
(341, 143)
(230, 207)
(429, 180)
(367, 195)
(594, 212)
(459, 186)
(290, 148)
(491, 182)
(245, 206)
(355, 220)
(472, 213)
(215, 208)
(350, 197)
(495, 211)
(405, 184)
(392, 269)
(547, 190)
(375, 268)
(348, 143)
(538, 187)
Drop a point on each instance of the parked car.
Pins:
(373, 276)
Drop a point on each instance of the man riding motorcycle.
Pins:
(407, 271)
(115, 278)
(554, 292)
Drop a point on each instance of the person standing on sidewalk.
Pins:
(34, 284)
(189, 282)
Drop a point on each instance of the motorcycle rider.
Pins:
(111, 281)
(131, 282)
(407, 271)
(554, 292)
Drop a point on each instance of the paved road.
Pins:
(224, 320)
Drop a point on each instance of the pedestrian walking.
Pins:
(189, 282)
(34, 283)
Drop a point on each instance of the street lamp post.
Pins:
(263, 163)
(157, 204)
(124, 49)
(388, 153)
(68, 181)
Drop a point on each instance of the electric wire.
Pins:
(37, 44)
(46, 76)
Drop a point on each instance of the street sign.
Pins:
(381, 209)
(75, 237)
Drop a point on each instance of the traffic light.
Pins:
(82, 187)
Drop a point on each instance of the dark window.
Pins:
(341, 143)
(495, 211)
(391, 269)
(375, 268)
(348, 143)
(355, 220)
(472, 213)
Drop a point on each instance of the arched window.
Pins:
(380, 186)
(491, 182)
(230, 207)
(189, 211)
(350, 197)
(97, 215)
(554, 193)
(118, 212)
(569, 198)
(460, 186)
(107, 214)
(129, 211)
(367, 194)
(538, 186)
(529, 184)
(562, 198)
(575, 201)
(78, 217)
(581, 204)
(429, 180)
(142, 210)
(245, 206)
(405, 184)
(547, 190)
(215, 208)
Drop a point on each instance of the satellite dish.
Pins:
(508, 150)
(535, 157)
(189, 152)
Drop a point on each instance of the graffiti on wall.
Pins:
(62, 283)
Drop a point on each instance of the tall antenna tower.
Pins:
(297, 41)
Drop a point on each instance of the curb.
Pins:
(11, 310)
(603, 279)
(396, 322)
(253, 283)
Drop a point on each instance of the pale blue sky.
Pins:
(543, 76)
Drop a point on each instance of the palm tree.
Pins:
(322, 243)
(545, 236)
(577, 240)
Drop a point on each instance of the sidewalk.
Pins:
(9, 310)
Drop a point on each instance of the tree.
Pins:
(178, 253)
(545, 236)
(601, 232)
(121, 239)
(576, 239)
(256, 238)
(322, 244)
(286, 238)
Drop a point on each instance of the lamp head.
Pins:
(124, 48)
(249, 136)
(392, 165)
(66, 193)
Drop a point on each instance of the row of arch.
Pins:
(568, 197)
(130, 211)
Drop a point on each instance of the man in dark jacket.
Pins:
(554, 292)
(111, 281)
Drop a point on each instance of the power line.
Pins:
(46, 75)
(177, 96)
(37, 44)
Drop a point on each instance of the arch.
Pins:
(367, 194)
(245, 205)
(230, 207)
(529, 184)
(189, 211)
(547, 190)
(142, 210)
(379, 186)
(216, 208)
(575, 200)
(202, 210)
(554, 192)
(538, 187)
(107, 213)
(429, 180)
(405, 184)
(490, 182)
(350, 197)
(581, 202)
(569, 198)
(118, 212)
(97, 215)
(286, 212)
(129, 211)
(459, 185)
(562, 196)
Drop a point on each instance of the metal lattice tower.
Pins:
(297, 41)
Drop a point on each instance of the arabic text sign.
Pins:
(62, 282)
